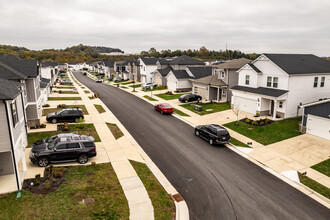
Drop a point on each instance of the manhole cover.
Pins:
(177, 198)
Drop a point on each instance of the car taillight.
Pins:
(82, 114)
(95, 149)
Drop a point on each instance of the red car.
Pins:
(164, 108)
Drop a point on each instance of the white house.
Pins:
(13, 135)
(45, 89)
(276, 84)
(147, 67)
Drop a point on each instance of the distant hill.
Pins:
(106, 49)
(76, 54)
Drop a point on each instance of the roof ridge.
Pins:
(11, 69)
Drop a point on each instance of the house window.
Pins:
(14, 114)
(195, 90)
(280, 105)
(275, 82)
(224, 92)
(269, 81)
(216, 71)
(322, 81)
(222, 75)
(316, 79)
(247, 79)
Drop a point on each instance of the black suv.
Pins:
(65, 115)
(214, 134)
(63, 148)
(189, 98)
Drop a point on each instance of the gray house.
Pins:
(27, 72)
(13, 136)
(316, 118)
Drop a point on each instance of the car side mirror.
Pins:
(54, 150)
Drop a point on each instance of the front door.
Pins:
(272, 108)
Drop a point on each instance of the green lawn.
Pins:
(50, 110)
(237, 143)
(208, 108)
(126, 83)
(177, 111)
(154, 89)
(124, 87)
(323, 167)
(169, 97)
(63, 98)
(163, 204)
(135, 86)
(277, 131)
(98, 182)
(323, 190)
(99, 108)
(149, 98)
(86, 91)
(117, 133)
(83, 87)
(83, 129)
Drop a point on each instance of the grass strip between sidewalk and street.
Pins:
(124, 87)
(63, 87)
(99, 108)
(135, 86)
(66, 92)
(323, 167)
(323, 190)
(82, 129)
(238, 143)
(63, 98)
(117, 133)
(275, 132)
(177, 111)
(164, 207)
(97, 183)
(149, 98)
(46, 111)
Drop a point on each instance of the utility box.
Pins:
(198, 108)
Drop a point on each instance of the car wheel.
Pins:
(161, 112)
(197, 133)
(43, 161)
(54, 121)
(83, 158)
(186, 100)
(76, 120)
(198, 99)
(211, 141)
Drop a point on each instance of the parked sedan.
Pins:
(190, 98)
(65, 82)
(164, 108)
(65, 115)
(99, 80)
(148, 85)
(117, 79)
(214, 134)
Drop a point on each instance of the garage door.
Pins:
(318, 126)
(246, 105)
(200, 91)
(171, 86)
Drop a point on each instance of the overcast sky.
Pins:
(276, 26)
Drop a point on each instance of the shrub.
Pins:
(81, 120)
(247, 120)
(60, 91)
(57, 174)
(262, 123)
(255, 123)
(66, 126)
(47, 185)
(42, 126)
(37, 180)
(169, 93)
(61, 106)
(257, 114)
(267, 120)
(46, 105)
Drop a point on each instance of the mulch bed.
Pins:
(53, 178)
(260, 122)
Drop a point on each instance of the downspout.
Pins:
(11, 144)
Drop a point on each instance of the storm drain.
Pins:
(177, 197)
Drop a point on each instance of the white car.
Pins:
(148, 85)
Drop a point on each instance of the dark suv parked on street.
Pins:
(214, 134)
(65, 115)
(63, 148)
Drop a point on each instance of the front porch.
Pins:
(270, 107)
(217, 94)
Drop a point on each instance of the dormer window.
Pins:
(247, 80)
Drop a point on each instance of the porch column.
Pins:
(218, 94)
(274, 110)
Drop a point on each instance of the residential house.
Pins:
(147, 67)
(119, 68)
(109, 68)
(136, 71)
(27, 72)
(159, 75)
(45, 89)
(276, 84)
(227, 73)
(63, 67)
(316, 118)
(13, 136)
(49, 71)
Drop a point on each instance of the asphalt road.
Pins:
(215, 182)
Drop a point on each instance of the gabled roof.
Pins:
(149, 61)
(212, 80)
(254, 67)
(165, 71)
(181, 74)
(29, 68)
(300, 63)
(163, 61)
(185, 60)
(233, 64)
(49, 63)
(109, 63)
(44, 82)
(7, 72)
(261, 90)
(316, 102)
(200, 72)
(9, 89)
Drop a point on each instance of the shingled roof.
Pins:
(149, 61)
(233, 64)
(165, 71)
(186, 60)
(300, 63)
(49, 63)
(181, 74)
(29, 68)
(44, 82)
(212, 80)
(109, 63)
(261, 90)
(201, 71)
(9, 89)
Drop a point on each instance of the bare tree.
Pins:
(236, 111)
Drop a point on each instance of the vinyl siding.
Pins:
(320, 110)
(30, 90)
(4, 133)
(6, 163)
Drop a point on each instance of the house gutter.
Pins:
(11, 145)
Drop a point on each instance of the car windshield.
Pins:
(52, 144)
(59, 112)
(167, 106)
(51, 139)
(222, 132)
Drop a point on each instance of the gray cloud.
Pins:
(295, 26)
